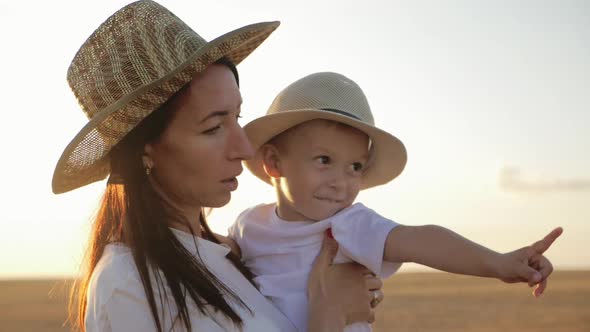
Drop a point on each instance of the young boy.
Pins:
(318, 147)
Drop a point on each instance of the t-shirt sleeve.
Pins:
(232, 232)
(235, 231)
(361, 234)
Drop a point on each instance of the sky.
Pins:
(491, 99)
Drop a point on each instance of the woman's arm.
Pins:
(446, 250)
(339, 294)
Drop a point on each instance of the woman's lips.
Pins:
(231, 184)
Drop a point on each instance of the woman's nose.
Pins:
(239, 145)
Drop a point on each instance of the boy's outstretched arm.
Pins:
(445, 250)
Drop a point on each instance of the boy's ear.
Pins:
(270, 160)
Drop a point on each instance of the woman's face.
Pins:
(198, 156)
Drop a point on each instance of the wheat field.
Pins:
(417, 302)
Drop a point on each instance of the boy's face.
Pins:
(319, 166)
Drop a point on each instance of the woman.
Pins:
(163, 106)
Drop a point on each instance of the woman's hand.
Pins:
(340, 294)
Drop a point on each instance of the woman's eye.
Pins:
(357, 167)
(324, 160)
(212, 130)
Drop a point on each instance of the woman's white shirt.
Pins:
(117, 300)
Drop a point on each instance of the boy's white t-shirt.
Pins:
(280, 253)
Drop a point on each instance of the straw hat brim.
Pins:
(73, 171)
(388, 156)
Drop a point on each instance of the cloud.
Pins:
(511, 179)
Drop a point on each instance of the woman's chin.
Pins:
(219, 201)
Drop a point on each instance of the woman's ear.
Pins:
(146, 157)
(270, 160)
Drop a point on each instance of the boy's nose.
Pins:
(338, 181)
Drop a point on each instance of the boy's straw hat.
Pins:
(329, 96)
(135, 61)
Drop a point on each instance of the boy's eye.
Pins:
(357, 167)
(324, 160)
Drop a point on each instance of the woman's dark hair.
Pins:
(134, 214)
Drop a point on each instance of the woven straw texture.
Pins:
(335, 97)
(135, 61)
(324, 90)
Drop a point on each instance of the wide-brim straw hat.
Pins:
(130, 66)
(328, 96)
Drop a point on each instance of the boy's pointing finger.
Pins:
(544, 244)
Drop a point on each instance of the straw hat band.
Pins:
(341, 113)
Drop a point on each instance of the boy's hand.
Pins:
(529, 265)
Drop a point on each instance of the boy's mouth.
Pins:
(329, 200)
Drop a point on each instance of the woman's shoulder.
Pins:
(116, 269)
(116, 259)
